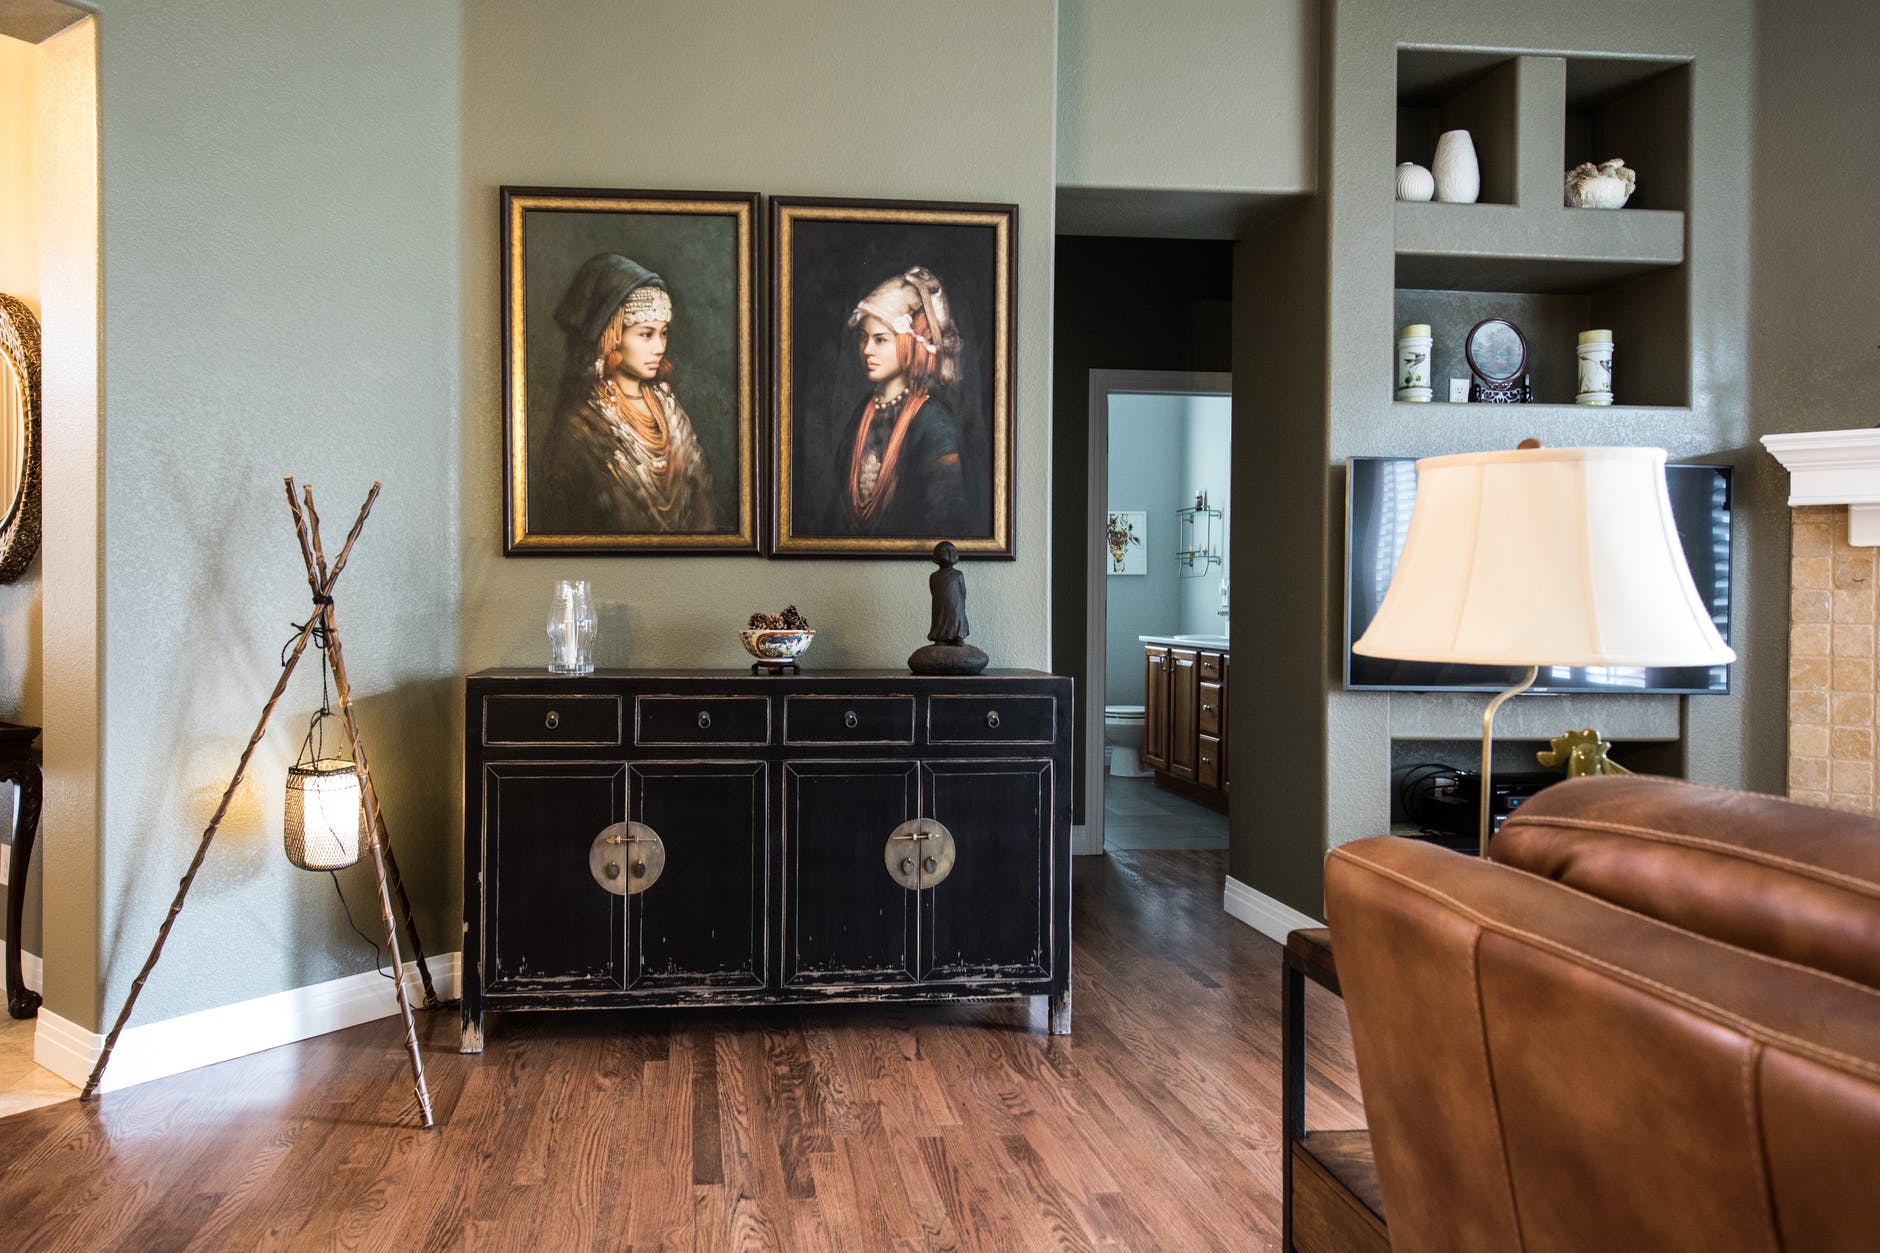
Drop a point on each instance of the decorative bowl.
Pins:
(775, 644)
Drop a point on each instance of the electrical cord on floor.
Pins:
(378, 958)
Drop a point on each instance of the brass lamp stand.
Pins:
(322, 622)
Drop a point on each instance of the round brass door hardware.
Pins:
(919, 854)
(627, 858)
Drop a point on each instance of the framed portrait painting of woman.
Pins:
(629, 371)
(893, 360)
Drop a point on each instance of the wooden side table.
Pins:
(19, 765)
(1332, 1203)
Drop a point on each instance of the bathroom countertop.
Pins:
(1213, 643)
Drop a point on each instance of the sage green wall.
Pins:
(825, 98)
(1188, 97)
(1814, 237)
(281, 256)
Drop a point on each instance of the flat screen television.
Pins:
(1380, 492)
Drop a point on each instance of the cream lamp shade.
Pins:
(1544, 556)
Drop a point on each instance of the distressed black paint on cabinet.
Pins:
(846, 922)
(543, 817)
(775, 797)
(701, 923)
(990, 918)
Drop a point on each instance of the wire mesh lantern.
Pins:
(326, 816)
(325, 824)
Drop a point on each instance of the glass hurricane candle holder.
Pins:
(571, 628)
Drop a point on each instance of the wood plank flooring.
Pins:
(1154, 1126)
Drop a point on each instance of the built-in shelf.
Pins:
(1521, 253)
(1556, 249)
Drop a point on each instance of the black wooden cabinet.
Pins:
(657, 838)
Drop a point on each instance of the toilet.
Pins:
(1122, 741)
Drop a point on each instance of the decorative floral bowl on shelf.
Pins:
(776, 644)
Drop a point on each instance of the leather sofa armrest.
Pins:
(1793, 881)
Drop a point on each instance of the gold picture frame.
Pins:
(612, 445)
(885, 451)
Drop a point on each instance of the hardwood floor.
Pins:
(23, 1083)
(1156, 1125)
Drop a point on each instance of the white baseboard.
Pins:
(174, 1045)
(1271, 918)
(1083, 844)
(32, 970)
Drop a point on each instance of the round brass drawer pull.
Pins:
(552, 721)
(992, 719)
(704, 720)
(851, 719)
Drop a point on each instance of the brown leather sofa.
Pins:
(1650, 1022)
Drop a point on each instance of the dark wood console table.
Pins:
(683, 838)
(1332, 1203)
(19, 765)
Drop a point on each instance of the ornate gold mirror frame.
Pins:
(19, 437)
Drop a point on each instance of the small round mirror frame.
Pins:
(19, 534)
(1481, 332)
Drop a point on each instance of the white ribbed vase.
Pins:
(1458, 176)
(1414, 182)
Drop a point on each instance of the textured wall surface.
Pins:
(280, 296)
(1202, 97)
(805, 99)
(1832, 717)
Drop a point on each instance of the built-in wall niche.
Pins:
(1645, 313)
(1509, 757)
(1637, 110)
(1441, 91)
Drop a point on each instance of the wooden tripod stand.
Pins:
(320, 580)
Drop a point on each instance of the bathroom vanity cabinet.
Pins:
(1184, 737)
(640, 838)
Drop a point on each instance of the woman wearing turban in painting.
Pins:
(898, 470)
(621, 456)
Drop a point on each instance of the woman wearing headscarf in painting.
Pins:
(621, 456)
(898, 468)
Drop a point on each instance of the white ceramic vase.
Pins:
(1414, 182)
(1458, 177)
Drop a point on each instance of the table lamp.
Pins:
(1542, 557)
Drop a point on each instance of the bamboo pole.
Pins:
(374, 811)
(202, 851)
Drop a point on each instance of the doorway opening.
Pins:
(1157, 643)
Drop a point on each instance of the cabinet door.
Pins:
(701, 923)
(845, 921)
(1155, 707)
(990, 918)
(1182, 727)
(547, 923)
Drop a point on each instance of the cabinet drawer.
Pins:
(1209, 667)
(991, 719)
(585, 721)
(1208, 709)
(701, 720)
(848, 720)
(1208, 762)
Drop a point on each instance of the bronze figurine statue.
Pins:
(949, 653)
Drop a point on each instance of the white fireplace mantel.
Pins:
(1835, 468)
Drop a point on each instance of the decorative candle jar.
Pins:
(1595, 354)
(571, 628)
(1413, 362)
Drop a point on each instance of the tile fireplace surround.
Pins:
(1833, 606)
